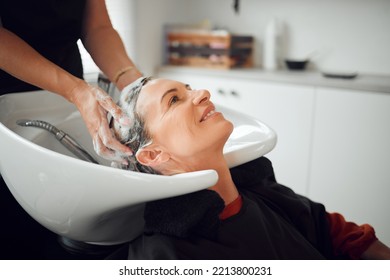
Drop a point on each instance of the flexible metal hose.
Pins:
(65, 139)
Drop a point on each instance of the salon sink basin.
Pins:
(89, 202)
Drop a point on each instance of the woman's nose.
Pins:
(200, 96)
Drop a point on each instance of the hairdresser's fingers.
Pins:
(110, 106)
(108, 139)
(101, 149)
(106, 153)
(107, 145)
(93, 103)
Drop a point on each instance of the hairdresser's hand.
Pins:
(94, 104)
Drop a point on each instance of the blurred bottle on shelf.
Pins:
(272, 48)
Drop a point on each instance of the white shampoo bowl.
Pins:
(88, 202)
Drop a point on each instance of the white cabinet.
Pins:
(350, 166)
(288, 109)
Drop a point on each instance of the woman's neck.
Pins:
(225, 186)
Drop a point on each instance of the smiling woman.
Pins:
(175, 130)
(246, 214)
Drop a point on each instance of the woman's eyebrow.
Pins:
(167, 92)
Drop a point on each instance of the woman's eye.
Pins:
(173, 100)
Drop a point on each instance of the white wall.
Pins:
(346, 34)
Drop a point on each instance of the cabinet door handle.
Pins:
(221, 91)
(234, 93)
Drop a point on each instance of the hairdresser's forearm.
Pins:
(109, 54)
(105, 45)
(21, 61)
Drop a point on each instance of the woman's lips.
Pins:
(210, 110)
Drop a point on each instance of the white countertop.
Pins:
(365, 82)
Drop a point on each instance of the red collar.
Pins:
(231, 209)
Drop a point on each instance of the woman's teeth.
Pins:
(212, 112)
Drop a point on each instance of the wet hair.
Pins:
(136, 136)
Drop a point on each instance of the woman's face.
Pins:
(182, 121)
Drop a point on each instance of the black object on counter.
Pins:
(351, 75)
(296, 64)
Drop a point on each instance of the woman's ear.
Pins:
(152, 156)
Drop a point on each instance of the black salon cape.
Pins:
(273, 223)
(51, 27)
